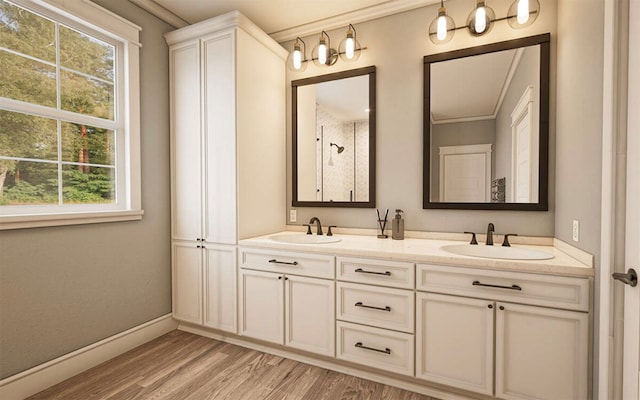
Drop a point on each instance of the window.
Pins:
(69, 129)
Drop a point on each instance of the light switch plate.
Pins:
(576, 230)
(293, 215)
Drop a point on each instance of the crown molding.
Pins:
(366, 14)
(389, 7)
(159, 11)
(230, 20)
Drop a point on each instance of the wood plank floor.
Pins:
(183, 366)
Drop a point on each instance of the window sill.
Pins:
(43, 220)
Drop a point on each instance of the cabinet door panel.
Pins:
(220, 287)
(219, 137)
(186, 183)
(541, 353)
(454, 338)
(262, 306)
(310, 314)
(187, 282)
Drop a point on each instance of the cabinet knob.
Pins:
(490, 306)
(279, 277)
(501, 307)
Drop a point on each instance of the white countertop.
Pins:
(428, 251)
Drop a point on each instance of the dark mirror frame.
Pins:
(543, 189)
(371, 71)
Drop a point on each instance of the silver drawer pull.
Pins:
(512, 287)
(274, 261)
(386, 308)
(386, 273)
(361, 346)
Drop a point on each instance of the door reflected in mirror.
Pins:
(334, 139)
(486, 126)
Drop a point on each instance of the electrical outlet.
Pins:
(293, 215)
(576, 230)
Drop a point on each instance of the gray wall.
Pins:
(579, 126)
(63, 288)
(579, 123)
(458, 134)
(396, 46)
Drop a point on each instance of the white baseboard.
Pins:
(36, 379)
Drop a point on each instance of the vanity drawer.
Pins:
(304, 264)
(378, 348)
(376, 306)
(377, 272)
(544, 290)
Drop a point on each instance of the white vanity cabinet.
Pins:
(375, 313)
(539, 325)
(227, 158)
(204, 282)
(186, 273)
(288, 298)
(535, 345)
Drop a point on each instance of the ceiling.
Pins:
(282, 19)
(471, 88)
(346, 99)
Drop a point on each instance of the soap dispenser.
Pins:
(397, 226)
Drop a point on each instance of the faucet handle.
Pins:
(329, 233)
(505, 242)
(308, 229)
(473, 237)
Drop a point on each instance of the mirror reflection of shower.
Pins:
(340, 148)
(345, 177)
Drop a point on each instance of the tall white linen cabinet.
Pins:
(227, 80)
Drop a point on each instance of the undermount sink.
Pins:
(507, 253)
(304, 239)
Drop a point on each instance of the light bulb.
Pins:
(523, 11)
(322, 53)
(442, 27)
(481, 19)
(297, 59)
(350, 47)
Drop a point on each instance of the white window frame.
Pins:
(88, 16)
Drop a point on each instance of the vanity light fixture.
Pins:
(442, 28)
(297, 60)
(522, 13)
(480, 19)
(323, 55)
(350, 48)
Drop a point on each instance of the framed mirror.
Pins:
(486, 127)
(333, 139)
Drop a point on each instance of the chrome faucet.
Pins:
(490, 230)
(316, 220)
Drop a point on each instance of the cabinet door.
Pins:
(220, 287)
(262, 305)
(186, 147)
(218, 75)
(454, 338)
(187, 282)
(310, 314)
(541, 353)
